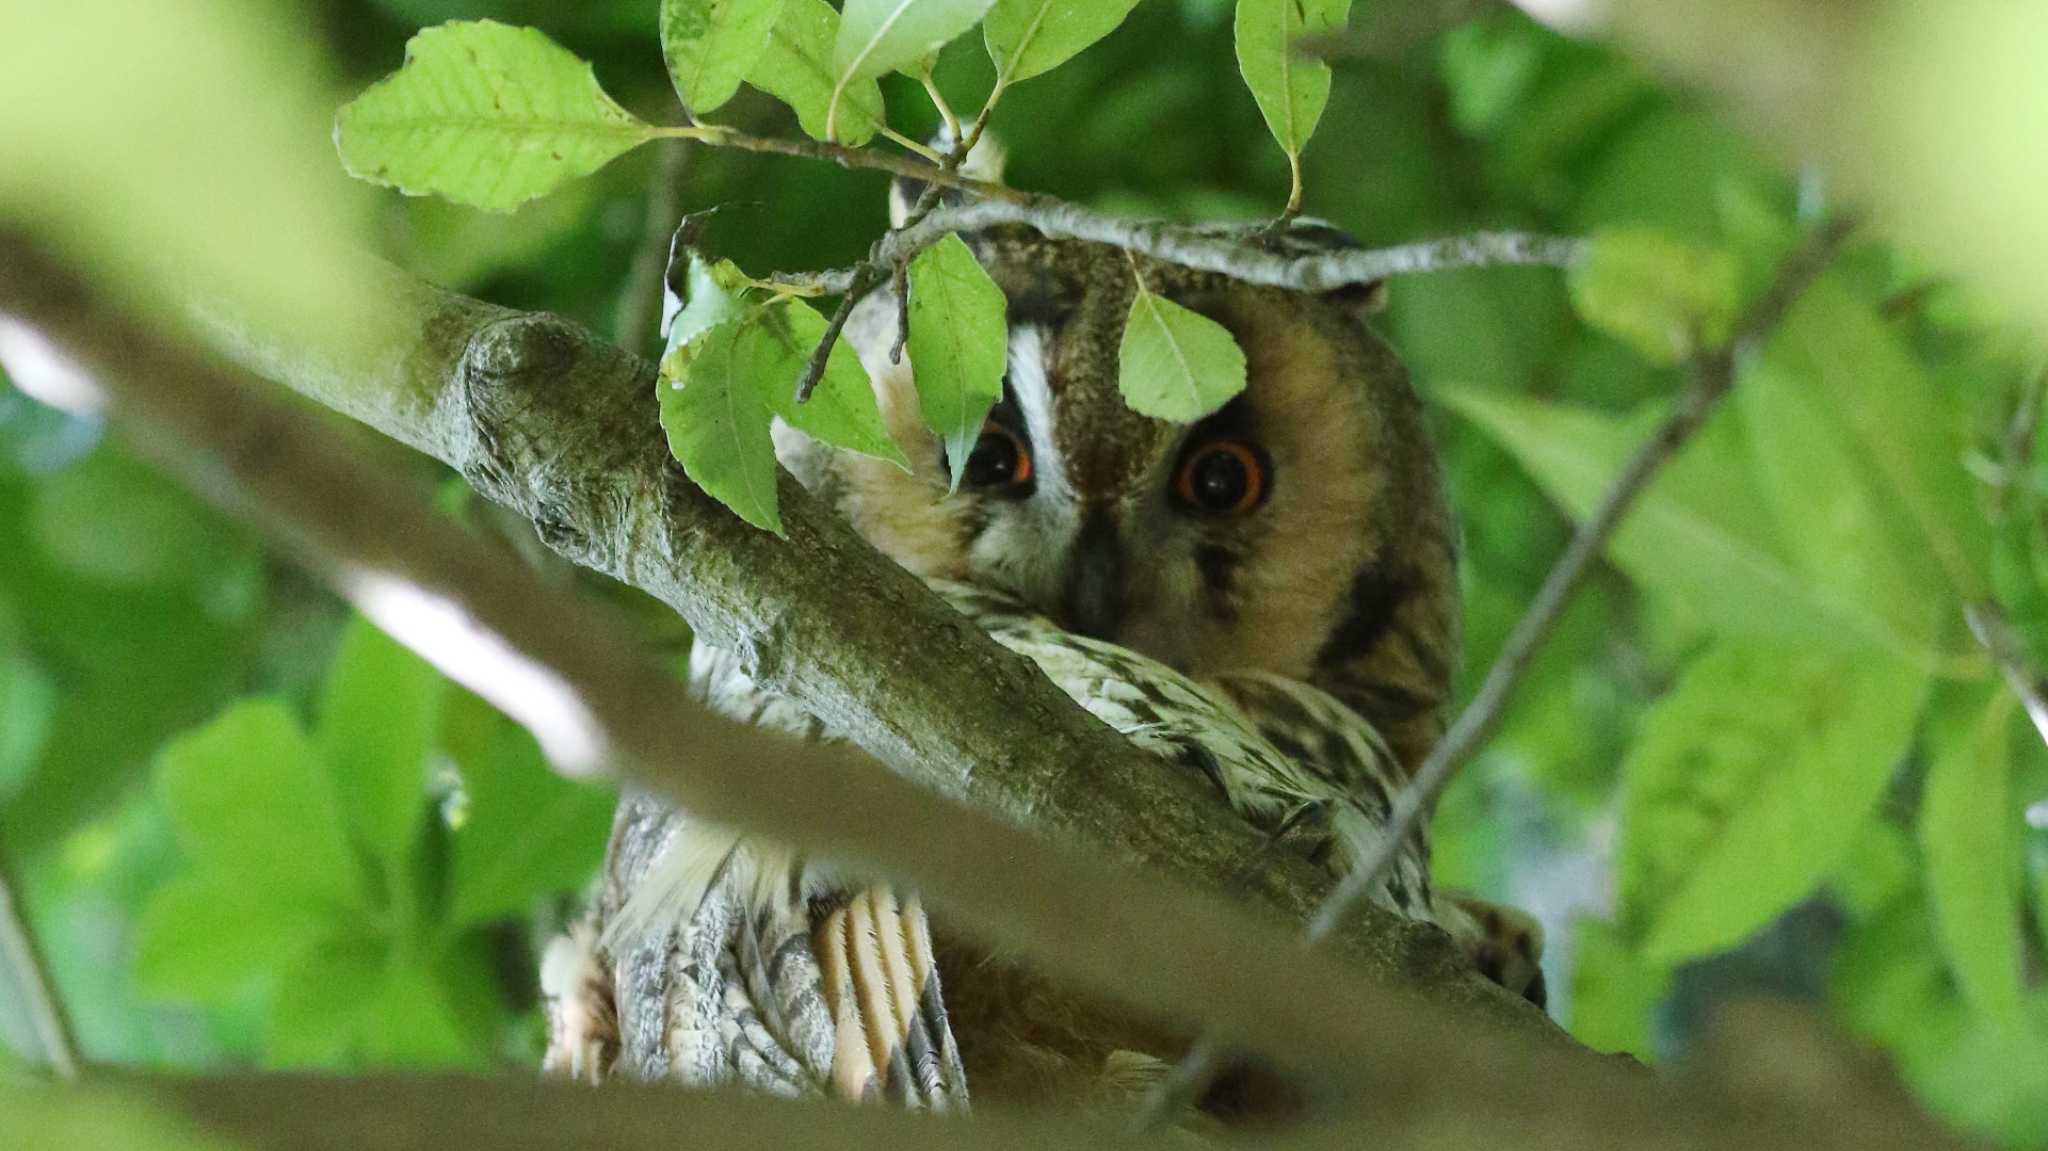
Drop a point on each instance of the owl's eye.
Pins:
(1000, 463)
(1223, 478)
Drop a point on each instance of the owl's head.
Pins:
(1301, 530)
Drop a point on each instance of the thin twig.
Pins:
(915, 168)
(1235, 253)
(1995, 632)
(1713, 375)
(640, 305)
(22, 959)
(866, 279)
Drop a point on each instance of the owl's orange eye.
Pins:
(1223, 478)
(1000, 463)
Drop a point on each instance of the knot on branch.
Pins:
(563, 427)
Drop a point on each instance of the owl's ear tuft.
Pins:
(985, 162)
(1360, 299)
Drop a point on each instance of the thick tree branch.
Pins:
(566, 669)
(1160, 947)
(546, 419)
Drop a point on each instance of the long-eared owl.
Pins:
(1267, 597)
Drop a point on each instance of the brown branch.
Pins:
(22, 961)
(584, 689)
(519, 398)
(868, 159)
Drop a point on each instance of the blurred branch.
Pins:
(640, 302)
(22, 962)
(571, 671)
(531, 403)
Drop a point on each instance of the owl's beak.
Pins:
(1093, 601)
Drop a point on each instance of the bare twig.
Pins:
(866, 278)
(1994, 631)
(913, 167)
(640, 303)
(1713, 375)
(22, 961)
(1236, 254)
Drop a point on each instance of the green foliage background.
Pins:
(1762, 755)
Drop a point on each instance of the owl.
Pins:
(1266, 598)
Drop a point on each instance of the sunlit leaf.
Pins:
(842, 410)
(880, 36)
(484, 114)
(711, 45)
(714, 291)
(1657, 294)
(717, 418)
(378, 713)
(252, 801)
(1970, 834)
(1176, 364)
(959, 340)
(1291, 89)
(797, 69)
(1029, 37)
(1746, 785)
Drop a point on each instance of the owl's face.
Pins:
(1300, 530)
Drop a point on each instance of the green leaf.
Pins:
(317, 1012)
(1970, 834)
(959, 344)
(1176, 364)
(1029, 37)
(711, 45)
(1867, 377)
(378, 713)
(253, 802)
(797, 70)
(1837, 526)
(717, 418)
(204, 939)
(716, 291)
(484, 114)
(28, 709)
(1656, 293)
(1701, 533)
(1747, 784)
(111, 519)
(1291, 89)
(529, 833)
(410, 1022)
(721, 390)
(880, 36)
(1614, 990)
(842, 410)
